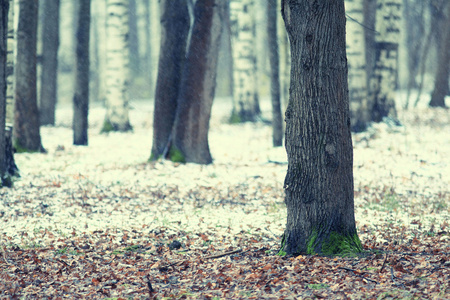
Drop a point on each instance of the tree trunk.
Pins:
(441, 88)
(134, 39)
(11, 167)
(4, 5)
(357, 81)
(50, 44)
(81, 95)
(174, 31)
(117, 66)
(27, 137)
(319, 180)
(272, 37)
(148, 71)
(285, 62)
(190, 139)
(245, 87)
(384, 80)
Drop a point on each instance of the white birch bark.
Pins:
(384, 80)
(356, 58)
(117, 66)
(245, 94)
(10, 57)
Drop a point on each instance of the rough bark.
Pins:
(190, 138)
(384, 79)
(4, 5)
(245, 87)
(319, 180)
(26, 133)
(441, 87)
(117, 66)
(174, 31)
(357, 80)
(272, 38)
(50, 45)
(81, 95)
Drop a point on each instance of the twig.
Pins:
(359, 275)
(149, 284)
(384, 262)
(223, 254)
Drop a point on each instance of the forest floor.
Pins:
(100, 222)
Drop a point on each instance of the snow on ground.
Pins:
(402, 175)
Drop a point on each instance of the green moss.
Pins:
(235, 118)
(107, 126)
(283, 244)
(154, 157)
(312, 243)
(21, 149)
(176, 155)
(342, 245)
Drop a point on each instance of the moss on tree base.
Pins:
(176, 155)
(108, 127)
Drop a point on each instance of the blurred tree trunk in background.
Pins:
(117, 66)
(147, 57)
(10, 163)
(26, 135)
(245, 87)
(385, 75)
(356, 55)
(49, 72)
(441, 87)
(4, 5)
(319, 180)
(285, 62)
(175, 24)
(414, 11)
(272, 38)
(81, 93)
(190, 138)
(134, 40)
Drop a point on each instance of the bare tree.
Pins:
(26, 132)
(274, 57)
(319, 180)
(4, 5)
(174, 32)
(49, 72)
(81, 95)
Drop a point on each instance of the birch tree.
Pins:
(4, 5)
(49, 71)
(117, 66)
(356, 55)
(26, 135)
(245, 87)
(319, 180)
(81, 93)
(384, 79)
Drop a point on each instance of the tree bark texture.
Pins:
(147, 64)
(245, 87)
(81, 93)
(384, 80)
(285, 62)
(49, 72)
(26, 126)
(319, 180)
(4, 5)
(274, 57)
(134, 39)
(117, 66)
(190, 138)
(441, 87)
(175, 24)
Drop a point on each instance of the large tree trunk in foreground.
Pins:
(319, 180)
(50, 45)
(4, 5)
(245, 87)
(441, 87)
(117, 66)
(175, 24)
(190, 140)
(81, 95)
(272, 37)
(384, 79)
(27, 137)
